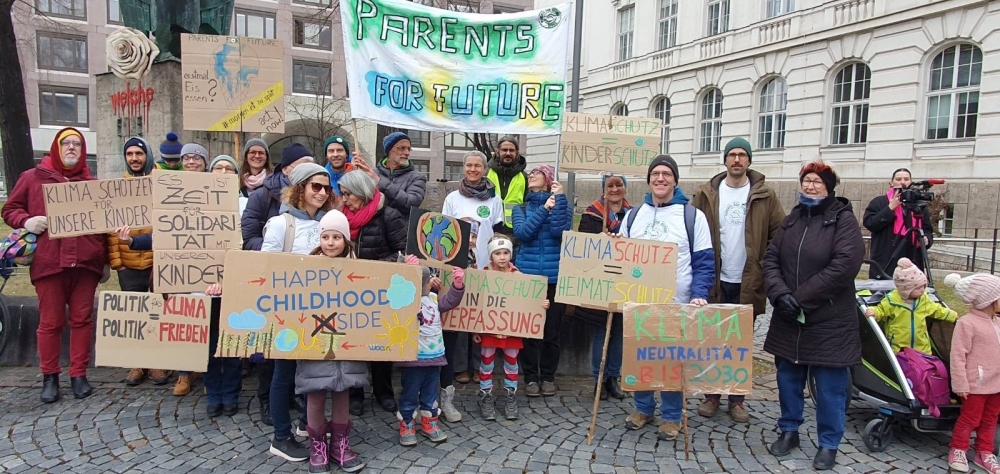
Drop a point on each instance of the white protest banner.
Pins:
(600, 143)
(412, 66)
(98, 206)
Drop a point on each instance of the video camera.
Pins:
(918, 192)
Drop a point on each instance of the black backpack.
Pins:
(689, 216)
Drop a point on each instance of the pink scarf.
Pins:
(360, 218)
(253, 182)
(898, 226)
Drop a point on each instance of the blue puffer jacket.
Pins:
(540, 233)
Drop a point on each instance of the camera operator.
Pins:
(884, 219)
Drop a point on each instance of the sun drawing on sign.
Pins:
(398, 335)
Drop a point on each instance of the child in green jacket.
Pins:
(906, 309)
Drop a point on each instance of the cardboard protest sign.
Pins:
(196, 218)
(435, 194)
(233, 84)
(596, 271)
(438, 239)
(143, 330)
(289, 306)
(98, 206)
(507, 304)
(697, 350)
(412, 66)
(609, 143)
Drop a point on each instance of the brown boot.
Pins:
(738, 412)
(159, 377)
(135, 377)
(183, 385)
(708, 407)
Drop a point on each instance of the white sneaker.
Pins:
(451, 414)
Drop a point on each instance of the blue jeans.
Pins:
(614, 364)
(420, 389)
(831, 399)
(671, 405)
(224, 378)
(282, 391)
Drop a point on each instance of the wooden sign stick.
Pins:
(236, 149)
(684, 415)
(600, 376)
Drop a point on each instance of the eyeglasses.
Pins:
(741, 156)
(224, 169)
(257, 153)
(345, 193)
(661, 174)
(191, 158)
(317, 187)
(73, 144)
(812, 182)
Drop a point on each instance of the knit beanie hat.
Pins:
(225, 158)
(303, 172)
(738, 142)
(828, 176)
(500, 243)
(139, 142)
(340, 141)
(668, 162)
(335, 220)
(170, 149)
(195, 149)
(391, 140)
(604, 180)
(255, 142)
(548, 172)
(292, 153)
(979, 290)
(473, 227)
(908, 277)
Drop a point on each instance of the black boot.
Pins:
(50, 388)
(613, 388)
(825, 459)
(604, 391)
(785, 443)
(81, 389)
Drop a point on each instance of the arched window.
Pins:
(661, 110)
(771, 114)
(711, 121)
(619, 109)
(953, 97)
(849, 114)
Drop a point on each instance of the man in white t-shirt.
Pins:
(744, 214)
(661, 218)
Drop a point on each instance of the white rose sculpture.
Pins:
(130, 53)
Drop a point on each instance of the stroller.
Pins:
(879, 378)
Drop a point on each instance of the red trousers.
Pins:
(74, 288)
(979, 414)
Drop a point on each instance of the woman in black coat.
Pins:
(809, 272)
(378, 233)
(884, 219)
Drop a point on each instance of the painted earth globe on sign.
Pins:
(439, 237)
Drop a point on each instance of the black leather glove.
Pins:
(786, 307)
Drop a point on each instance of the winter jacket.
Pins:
(120, 256)
(336, 175)
(975, 354)
(764, 215)
(384, 237)
(540, 233)
(879, 220)
(665, 223)
(906, 324)
(593, 225)
(815, 257)
(306, 235)
(26, 200)
(403, 188)
(430, 342)
(262, 205)
(329, 375)
(506, 179)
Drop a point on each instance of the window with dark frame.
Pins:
(254, 25)
(63, 106)
(75, 9)
(311, 78)
(310, 34)
(114, 12)
(61, 52)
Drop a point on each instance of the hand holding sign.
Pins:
(458, 277)
(550, 202)
(36, 225)
(557, 187)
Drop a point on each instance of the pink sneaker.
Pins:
(987, 461)
(958, 461)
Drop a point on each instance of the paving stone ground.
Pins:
(146, 429)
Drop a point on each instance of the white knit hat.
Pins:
(335, 220)
(979, 290)
(500, 243)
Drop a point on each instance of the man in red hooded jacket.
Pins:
(65, 271)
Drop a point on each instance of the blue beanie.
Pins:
(292, 153)
(170, 149)
(391, 140)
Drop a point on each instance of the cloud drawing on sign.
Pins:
(246, 320)
(286, 340)
(401, 292)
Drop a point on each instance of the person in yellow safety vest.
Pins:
(507, 174)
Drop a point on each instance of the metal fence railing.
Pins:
(970, 250)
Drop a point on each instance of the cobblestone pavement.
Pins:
(146, 429)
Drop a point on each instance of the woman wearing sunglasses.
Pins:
(378, 233)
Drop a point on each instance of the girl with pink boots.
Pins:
(975, 371)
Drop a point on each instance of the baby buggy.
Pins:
(879, 378)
